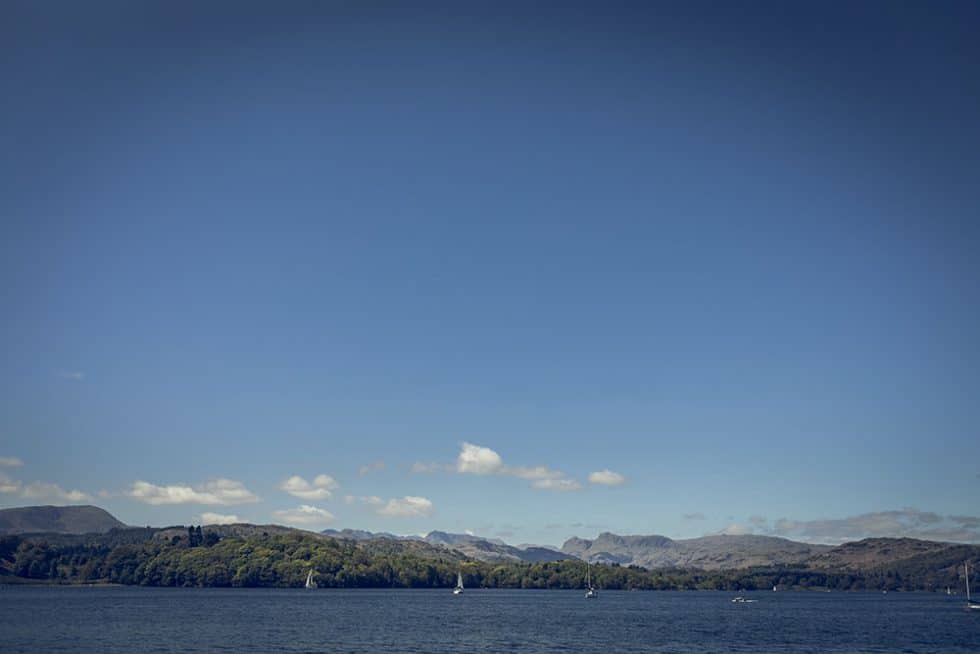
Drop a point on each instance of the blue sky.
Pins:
(729, 255)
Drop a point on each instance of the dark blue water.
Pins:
(66, 619)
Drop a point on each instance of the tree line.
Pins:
(205, 559)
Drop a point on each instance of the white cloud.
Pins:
(607, 478)
(377, 466)
(478, 460)
(363, 499)
(537, 472)
(908, 522)
(304, 514)
(694, 516)
(409, 506)
(562, 485)
(218, 491)
(735, 529)
(74, 375)
(43, 490)
(37, 490)
(209, 518)
(8, 485)
(320, 489)
(967, 521)
(481, 460)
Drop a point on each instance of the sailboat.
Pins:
(459, 584)
(970, 604)
(309, 580)
(591, 593)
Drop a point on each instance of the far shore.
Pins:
(20, 581)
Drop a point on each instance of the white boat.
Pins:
(743, 600)
(459, 584)
(591, 592)
(309, 580)
(970, 604)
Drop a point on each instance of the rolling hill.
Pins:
(57, 519)
(707, 553)
(490, 550)
(877, 560)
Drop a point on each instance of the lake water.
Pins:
(77, 619)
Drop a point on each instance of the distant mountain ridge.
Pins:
(491, 550)
(446, 538)
(361, 534)
(870, 553)
(715, 552)
(247, 555)
(708, 552)
(57, 519)
(920, 559)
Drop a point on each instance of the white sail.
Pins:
(970, 602)
(591, 592)
(309, 580)
(459, 584)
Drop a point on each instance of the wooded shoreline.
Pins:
(206, 559)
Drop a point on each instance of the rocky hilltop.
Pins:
(708, 552)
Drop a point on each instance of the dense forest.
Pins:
(199, 558)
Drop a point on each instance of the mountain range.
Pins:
(718, 552)
(491, 550)
(707, 553)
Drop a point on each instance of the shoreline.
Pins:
(33, 583)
